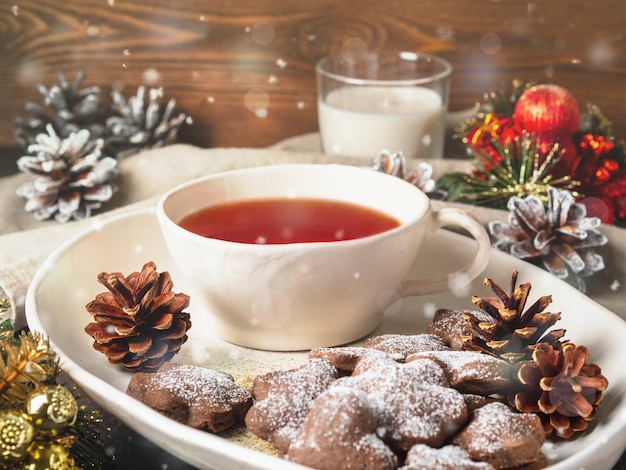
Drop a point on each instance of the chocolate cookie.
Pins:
(451, 325)
(343, 358)
(471, 372)
(201, 398)
(284, 399)
(502, 437)
(422, 457)
(340, 432)
(413, 401)
(405, 345)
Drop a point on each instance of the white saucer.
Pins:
(66, 282)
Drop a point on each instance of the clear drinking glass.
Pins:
(393, 101)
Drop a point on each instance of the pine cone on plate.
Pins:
(561, 387)
(140, 322)
(72, 176)
(514, 332)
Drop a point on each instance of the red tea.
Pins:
(277, 221)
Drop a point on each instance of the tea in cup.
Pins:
(295, 256)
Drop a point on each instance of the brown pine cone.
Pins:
(514, 332)
(561, 387)
(140, 322)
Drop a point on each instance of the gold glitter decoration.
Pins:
(52, 408)
(24, 364)
(42, 426)
(520, 173)
(50, 457)
(16, 435)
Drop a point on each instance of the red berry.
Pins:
(547, 108)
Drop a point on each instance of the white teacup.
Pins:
(295, 296)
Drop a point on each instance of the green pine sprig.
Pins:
(520, 173)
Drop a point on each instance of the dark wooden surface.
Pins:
(211, 55)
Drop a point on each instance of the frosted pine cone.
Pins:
(140, 323)
(139, 125)
(72, 176)
(561, 236)
(66, 107)
(394, 164)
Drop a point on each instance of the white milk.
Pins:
(361, 121)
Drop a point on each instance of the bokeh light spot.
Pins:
(93, 30)
(596, 207)
(151, 76)
(271, 309)
(354, 50)
(262, 33)
(257, 100)
(389, 302)
(490, 43)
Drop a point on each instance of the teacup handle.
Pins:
(450, 216)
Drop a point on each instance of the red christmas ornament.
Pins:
(567, 150)
(493, 128)
(548, 107)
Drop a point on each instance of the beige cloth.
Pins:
(25, 242)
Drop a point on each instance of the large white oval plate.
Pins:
(66, 281)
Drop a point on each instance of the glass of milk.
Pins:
(394, 101)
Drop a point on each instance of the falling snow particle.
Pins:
(303, 100)
(15, 10)
(615, 285)
(281, 63)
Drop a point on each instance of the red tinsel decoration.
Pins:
(588, 158)
(601, 176)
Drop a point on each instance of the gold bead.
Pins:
(49, 457)
(52, 408)
(16, 435)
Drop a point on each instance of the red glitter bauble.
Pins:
(547, 108)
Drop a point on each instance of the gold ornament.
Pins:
(24, 365)
(51, 408)
(16, 435)
(50, 457)
(40, 420)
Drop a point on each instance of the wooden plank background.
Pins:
(219, 58)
